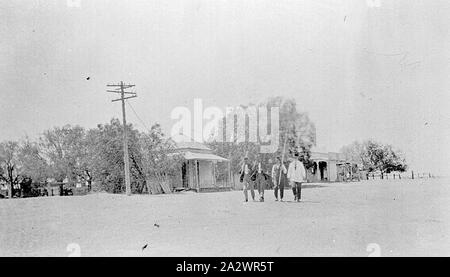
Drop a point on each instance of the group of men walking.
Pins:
(256, 175)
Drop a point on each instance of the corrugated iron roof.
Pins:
(202, 156)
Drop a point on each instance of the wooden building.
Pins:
(199, 168)
(332, 167)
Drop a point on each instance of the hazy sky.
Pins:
(361, 69)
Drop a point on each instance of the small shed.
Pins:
(332, 167)
(199, 168)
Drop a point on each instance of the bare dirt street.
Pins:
(389, 218)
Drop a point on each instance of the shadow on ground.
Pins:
(304, 186)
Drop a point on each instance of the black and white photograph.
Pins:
(225, 128)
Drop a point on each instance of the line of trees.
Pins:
(93, 156)
(375, 156)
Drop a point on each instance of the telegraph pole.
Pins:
(121, 89)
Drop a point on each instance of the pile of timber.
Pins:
(158, 186)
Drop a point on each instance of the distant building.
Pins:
(331, 167)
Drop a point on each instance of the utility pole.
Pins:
(120, 88)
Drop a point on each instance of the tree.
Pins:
(32, 164)
(105, 157)
(384, 158)
(9, 163)
(295, 126)
(375, 156)
(160, 164)
(64, 149)
(355, 153)
(21, 163)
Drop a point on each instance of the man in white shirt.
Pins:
(248, 184)
(296, 176)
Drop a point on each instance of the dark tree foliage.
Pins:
(375, 156)
(105, 157)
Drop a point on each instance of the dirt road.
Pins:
(389, 218)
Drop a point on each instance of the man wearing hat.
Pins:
(297, 175)
(259, 172)
(278, 178)
(245, 177)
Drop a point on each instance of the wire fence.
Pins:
(399, 176)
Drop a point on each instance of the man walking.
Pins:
(245, 177)
(278, 178)
(296, 175)
(260, 180)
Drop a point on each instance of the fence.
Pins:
(393, 176)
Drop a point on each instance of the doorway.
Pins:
(323, 173)
(184, 175)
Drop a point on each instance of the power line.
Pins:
(145, 126)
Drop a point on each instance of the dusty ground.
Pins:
(404, 218)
